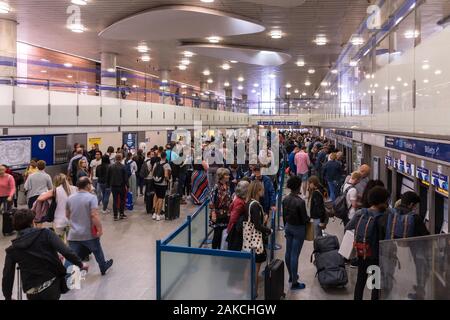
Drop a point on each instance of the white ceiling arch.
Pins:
(179, 22)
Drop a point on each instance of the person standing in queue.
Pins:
(295, 218)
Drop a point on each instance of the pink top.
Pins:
(302, 162)
(7, 186)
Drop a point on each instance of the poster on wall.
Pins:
(93, 141)
(423, 174)
(441, 182)
(401, 166)
(410, 169)
(16, 152)
(130, 139)
(388, 161)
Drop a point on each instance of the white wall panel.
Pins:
(6, 98)
(31, 107)
(129, 112)
(89, 110)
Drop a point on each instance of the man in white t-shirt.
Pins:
(93, 169)
(352, 195)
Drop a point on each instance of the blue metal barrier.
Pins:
(192, 257)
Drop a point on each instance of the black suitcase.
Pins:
(172, 206)
(325, 244)
(274, 280)
(331, 269)
(7, 227)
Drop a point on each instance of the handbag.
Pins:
(50, 216)
(309, 231)
(253, 239)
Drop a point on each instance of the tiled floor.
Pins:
(131, 243)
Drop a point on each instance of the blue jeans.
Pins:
(181, 183)
(295, 236)
(332, 186)
(80, 247)
(105, 194)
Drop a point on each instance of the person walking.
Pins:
(118, 183)
(72, 169)
(36, 251)
(104, 191)
(131, 168)
(316, 205)
(295, 218)
(37, 184)
(332, 174)
(95, 163)
(302, 164)
(85, 225)
(7, 191)
(161, 176)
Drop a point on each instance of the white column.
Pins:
(109, 74)
(8, 48)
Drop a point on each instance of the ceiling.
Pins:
(43, 23)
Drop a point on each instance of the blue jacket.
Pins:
(332, 171)
(292, 165)
(270, 199)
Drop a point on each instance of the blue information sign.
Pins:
(428, 149)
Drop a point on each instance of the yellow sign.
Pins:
(93, 141)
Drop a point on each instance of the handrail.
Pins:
(412, 239)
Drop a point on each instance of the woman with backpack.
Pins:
(102, 175)
(316, 205)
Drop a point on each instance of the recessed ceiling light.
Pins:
(76, 27)
(307, 83)
(288, 93)
(311, 71)
(426, 81)
(357, 40)
(207, 1)
(111, 70)
(324, 84)
(206, 73)
(272, 76)
(214, 39)
(410, 34)
(185, 62)
(123, 79)
(399, 79)
(304, 94)
(253, 91)
(233, 61)
(405, 84)
(80, 2)
(210, 81)
(334, 71)
(258, 94)
(182, 67)
(164, 81)
(135, 86)
(68, 65)
(276, 34)
(240, 88)
(288, 85)
(300, 63)
(188, 54)
(142, 48)
(183, 86)
(226, 84)
(241, 79)
(353, 63)
(297, 91)
(145, 58)
(184, 93)
(425, 66)
(226, 66)
(438, 72)
(43, 71)
(316, 95)
(4, 7)
(256, 85)
(70, 76)
(321, 40)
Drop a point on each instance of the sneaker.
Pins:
(158, 218)
(123, 216)
(298, 286)
(104, 211)
(163, 217)
(108, 265)
(116, 218)
(354, 263)
(154, 216)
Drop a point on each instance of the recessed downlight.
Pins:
(214, 39)
(276, 34)
(68, 65)
(241, 88)
(80, 2)
(311, 71)
(256, 85)
(241, 79)
(307, 83)
(142, 48)
(188, 54)
(210, 81)
(185, 62)
(123, 79)
(206, 72)
(145, 58)
(226, 84)
(226, 66)
(182, 67)
(321, 40)
(111, 70)
(77, 27)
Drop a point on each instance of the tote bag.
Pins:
(253, 239)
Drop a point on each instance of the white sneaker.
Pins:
(104, 211)
(154, 216)
(163, 217)
(158, 218)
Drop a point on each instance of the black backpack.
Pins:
(144, 170)
(340, 207)
(366, 234)
(158, 173)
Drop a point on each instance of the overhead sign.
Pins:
(279, 123)
(429, 149)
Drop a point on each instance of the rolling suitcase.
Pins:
(274, 280)
(172, 206)
(129, 203)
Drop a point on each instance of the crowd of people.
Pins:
(239, 196)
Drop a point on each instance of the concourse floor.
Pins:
(131, 243)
